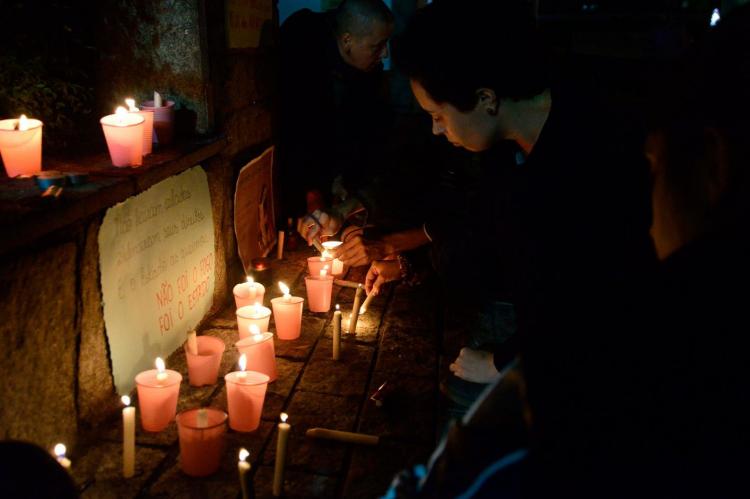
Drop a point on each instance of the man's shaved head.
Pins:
(357, 16)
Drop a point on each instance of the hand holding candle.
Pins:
(281, 443)
(128, 438)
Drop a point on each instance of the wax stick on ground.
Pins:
(243, 468)
(346, 284)
(278, 472)
(343, 436)
(280, 246)
(366, 304)
(355, 310)
(192, 343)
(336, 333)
(128, 438)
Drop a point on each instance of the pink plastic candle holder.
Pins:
(21, 150)
(148, 130)
(337, 266)
(157, 399)
(248, 315)
(260, 352)
(246, 294)
(163, 120)
(245, 397)
(201, 442)
(287, 314)
(319, 290)
(316, 263)
(203, 369)
(124, 134)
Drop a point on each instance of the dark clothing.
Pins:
(333, 116)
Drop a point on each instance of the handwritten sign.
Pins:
(253, 209)
(156, 254)
(245, 20)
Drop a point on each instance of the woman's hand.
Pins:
(357, 250)
(476, 366)
(381, 272)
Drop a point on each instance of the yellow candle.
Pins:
(278, 473)
(128, 438)
(243, 467)
(366, 304)
(336, 333)
(280, 246)
(343, 436)
(192, 343)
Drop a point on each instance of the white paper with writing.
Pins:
(156, 253)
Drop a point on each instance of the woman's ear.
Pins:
(487, 99)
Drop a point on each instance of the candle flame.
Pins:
(337, 306)
(60, 450)
(121, 112)
(243, 362)
(250, 280)
(160, 365)
(283, 416)
(244, 454)
(284, 288)
(254, 329)
(325, 254)
(131, 105)
(23, 123)
(125, 400)
(324, 271)
(257, 308)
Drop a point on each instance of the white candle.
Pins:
(161, 375)
(336, 333)
(60, 451)
(201, 418)
(256, 334)
(157, 99)
(343, 436)
(243, 364)
(192, 343)
(252, 289)
(278, 473)
(366, 304)
(128, 438)
(280, 246)
(324, 271)
(285, 289)
(355, 310)
(243, 467)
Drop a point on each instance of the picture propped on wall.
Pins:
(253, 209)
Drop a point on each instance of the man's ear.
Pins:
(346, 40)
(487, 100)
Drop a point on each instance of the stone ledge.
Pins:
(28, 216)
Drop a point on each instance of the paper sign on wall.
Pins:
(156, 254)
(245, 21)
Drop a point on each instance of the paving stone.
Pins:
(372, 468)
(408, 411)
(407, 354)
(226, 319)
(310, 410)
(347, 376)
(296, 484)
(230, 357)
(300, 348)
(100, 470)
(174, 484)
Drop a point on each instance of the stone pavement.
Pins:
(395, 342)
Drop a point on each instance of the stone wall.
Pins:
(55, 363)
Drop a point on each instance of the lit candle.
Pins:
(287, 313)
(148, 125)
(243, 467)
(161, 375)
(337, 267)
(246, 392)
(158, 390)
(336, 333)
(278, 473)
(201, 418)
(163, 111)
(366, 304)
(248, 293)
(260, 351)
(252, 314)
(60, 451)
(203, 363)
(355, 310)
(319, 290)
(192, 342)
(316, 263)
(21, 146)
(128, 438)
(124, 134)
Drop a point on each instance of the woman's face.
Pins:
(474, 130)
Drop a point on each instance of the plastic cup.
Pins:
(203, 369)
(319, 290)
(245, 397)
(245, 295)
(157, 399)
(316, 263)
(201, 447)
(163, 120)
(21, 150)
(287, 315)
(260, 352)
(248, 315)
(124, 136)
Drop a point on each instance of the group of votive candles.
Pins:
(130, 133)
